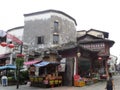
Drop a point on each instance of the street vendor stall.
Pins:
(47, 76)
(78, 81)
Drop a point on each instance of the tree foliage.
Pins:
(19, 62)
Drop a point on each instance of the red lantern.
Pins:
(11, 45)
(3, 44)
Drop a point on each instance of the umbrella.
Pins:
(9, 66)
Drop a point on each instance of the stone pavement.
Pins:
(97, 86)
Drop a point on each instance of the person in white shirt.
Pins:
(4, 80)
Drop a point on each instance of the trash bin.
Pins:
(4, 81)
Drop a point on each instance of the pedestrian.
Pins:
(4, 80)
(110, 83)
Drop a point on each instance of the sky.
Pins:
(101, 15)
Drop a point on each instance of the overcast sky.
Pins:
(102, 15)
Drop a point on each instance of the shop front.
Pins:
(85, 71)
(80, 62)
(46, 75)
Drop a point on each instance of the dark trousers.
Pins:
(109, 88)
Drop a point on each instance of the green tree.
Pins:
(19, 65)
(19, 62)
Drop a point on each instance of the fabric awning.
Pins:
(15, 39)
(31, 62)
(45, 63)
(4, 55)
(9, 66)
(41, 64)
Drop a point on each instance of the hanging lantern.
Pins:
(11, 45)
(3, 44)
(78, 54)
(99, 58)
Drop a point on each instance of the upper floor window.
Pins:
(55, 39)
(56, 24)
(40, 40)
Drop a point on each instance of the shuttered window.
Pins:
(40, 40)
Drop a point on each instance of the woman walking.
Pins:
(110, 83)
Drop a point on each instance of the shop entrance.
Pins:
(84, 66)
(68, 76)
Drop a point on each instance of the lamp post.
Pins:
(19, 64)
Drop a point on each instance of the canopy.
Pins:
(31, 62)
(45, 63)
(4, 55)
(41, 64)
(9, 66)
(15, 39)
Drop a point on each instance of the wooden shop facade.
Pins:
(85, 60)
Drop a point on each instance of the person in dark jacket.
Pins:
(110, 83)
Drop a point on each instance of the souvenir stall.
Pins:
(87, 79)
(86, 74)
(30, 66)
(47, 75)
(78, 81)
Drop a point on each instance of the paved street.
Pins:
(97, 86)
